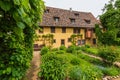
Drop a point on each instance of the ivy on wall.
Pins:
(18, 21)
(75, 37)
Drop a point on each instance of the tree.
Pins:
(110, 21)
(18, 21)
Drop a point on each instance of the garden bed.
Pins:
(74, 65)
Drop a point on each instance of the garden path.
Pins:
(32, 73)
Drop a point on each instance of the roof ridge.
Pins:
(67, 9)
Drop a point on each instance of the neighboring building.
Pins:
(64, 23)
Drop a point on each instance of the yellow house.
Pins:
(63, 24)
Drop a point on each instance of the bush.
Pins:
(62, 48)
(87, 46)
(93, 51)
(52, 67)
(109, 53)
(72, 49)
(44, 50)
(60, 52)
(75, 73)
(75, 61)
(54, 49)
(110, 71)
(88, 73)
(92, 73)
(83, 48)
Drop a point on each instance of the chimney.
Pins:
(70, 9)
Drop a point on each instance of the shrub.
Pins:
(110, 71)
(62, 48)
(52, 67)
(87, 46)
(75, 61)
(83, 48)
(75, 73)
(72, 49)
(44, 50)
(93, 51)
(92, 73)
(88, 73)
(54, 49)
(109, 53)
(60, 52)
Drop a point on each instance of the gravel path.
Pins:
(32, 73)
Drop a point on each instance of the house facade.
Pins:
(63, 24)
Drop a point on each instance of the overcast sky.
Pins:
(93, 6)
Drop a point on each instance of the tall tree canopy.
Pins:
(110, 21)
(18, 21)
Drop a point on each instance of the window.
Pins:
(76, 30)
(83, 42)
(76, 14)
(94, 41)
(72, 21)
(79, 42)
(93, 30)
(52, 29)
(47, 11)
(87, 21)
(56, 19)
(62, 42)
(41, 30)
(63, 30)
(69, 39)
(54, 41)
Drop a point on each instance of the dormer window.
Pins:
(87, 21)
(47, 11)
(56, 19)
(76, 14)
(72, 20)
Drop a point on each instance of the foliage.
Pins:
(47, 39)
(60, 52)
(62, 48)
(54, 49)
(88, 73)
(44, 50)
(110, 23)
(75, 73)
(72, 49)
(87, 46)
(75, 61)
(18, 21)
(92, 73)
(110, 71)
(92, 60)
(75, 38)
(52, 67)
(109, 53)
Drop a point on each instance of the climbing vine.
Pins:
(18, 21)
(48, 39)
(75, 38)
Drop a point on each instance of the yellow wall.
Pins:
(58, 35)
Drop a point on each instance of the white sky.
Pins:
(93, 6)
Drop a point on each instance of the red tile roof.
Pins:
(65, 16)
